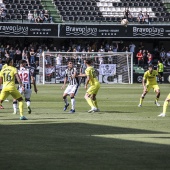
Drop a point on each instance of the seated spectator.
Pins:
(128, 15)
(146, 18)
(3, 15)
(46, 16)
(30, 16)
(41, 16)
(140, 17)
(38, 20)
(35, 15)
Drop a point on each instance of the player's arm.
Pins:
(87, 81)
(34, 84)
(144, 84)
(82, 75)
(19, 81)
(65, 81)
(1, 80)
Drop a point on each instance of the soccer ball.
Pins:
(124, 22)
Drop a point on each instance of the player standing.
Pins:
(160, 69)
(149, 81)
(165, 105)
(7, 76)
(26, 76)
(70, 75)
(92, 91)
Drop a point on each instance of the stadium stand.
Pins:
(111, 10)
(88, 10)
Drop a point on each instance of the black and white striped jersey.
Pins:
(69, 73)
(25, 76)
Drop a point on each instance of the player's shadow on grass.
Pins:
(80, 146)
(114, 111)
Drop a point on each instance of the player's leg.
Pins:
(94, 96)
(65, 101)
(73, 91)
(15, 106)
(90, 102)
(27, 95)
(157, 91)
(66, 92)
(160, 77)
(4, 94)
(16, 95)
(166, 102)
(89, 96)
(72, 103)
(143, 96)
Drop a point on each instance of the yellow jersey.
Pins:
(150, 77)
(8, 75)
(90, 71)
(4, 66)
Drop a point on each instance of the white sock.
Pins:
(15, 107)
(73, 103)
(28, 103)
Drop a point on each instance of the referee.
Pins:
(160, 69)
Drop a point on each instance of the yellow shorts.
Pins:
(93, 89)
(9, 91)
(154, 87)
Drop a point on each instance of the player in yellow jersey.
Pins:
(165, 105)
(92, 91)
(6, 100)
(7, 77)
(149, 82)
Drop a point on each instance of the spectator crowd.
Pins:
(32, 51)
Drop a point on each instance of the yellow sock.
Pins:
(165, 106)
(95, 103)
(90, 102)
(21, 108)
(141, 100)
(156, 100)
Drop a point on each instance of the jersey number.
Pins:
(7, 77)
(23, 77)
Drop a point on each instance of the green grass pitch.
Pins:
(120, 137)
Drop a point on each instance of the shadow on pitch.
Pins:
(79, 146)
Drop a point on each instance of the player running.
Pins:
(92, 91)
(26, 75)
(70, 75)
(148, 82)
(7, 77)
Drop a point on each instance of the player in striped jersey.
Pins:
(26, 75)
(70, 76)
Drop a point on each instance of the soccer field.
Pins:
(120, 137)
